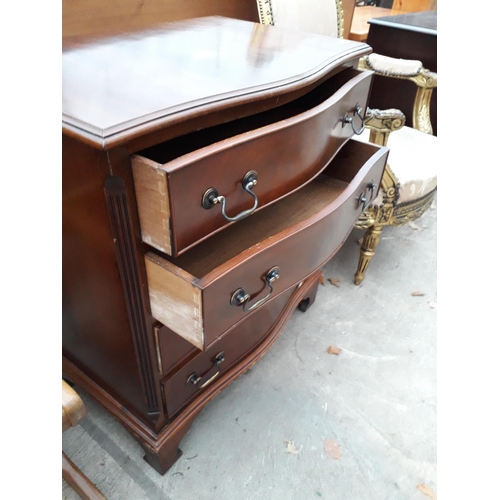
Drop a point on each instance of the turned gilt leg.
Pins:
(368, 247)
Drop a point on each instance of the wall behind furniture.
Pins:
(414, 5)
(99, 17)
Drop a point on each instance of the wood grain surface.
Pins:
(79, 481)
(360, 26)
(217, 59)
(322, 212)
(240, 340)
(73, 409)
(287, 147)
(133, 90)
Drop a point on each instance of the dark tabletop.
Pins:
(423, 22)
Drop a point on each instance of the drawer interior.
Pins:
(174, 148)
(295, 208)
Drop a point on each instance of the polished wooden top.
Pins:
(113, 87)
(362, 15)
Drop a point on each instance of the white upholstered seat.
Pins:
(416, 174)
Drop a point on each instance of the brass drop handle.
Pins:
(240, 297)
(211, 197)
(362, 200)
(347, 119)
(195, 379)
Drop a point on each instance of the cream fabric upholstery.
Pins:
(413, 160)
(392, 66)
(314, 16)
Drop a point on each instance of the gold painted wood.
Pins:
(368, 247)
(390, 214)
(381, 123)
(265, 12)
(340, 18)
(426, 82)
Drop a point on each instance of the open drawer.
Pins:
(205, 368)
(202, 293)
(190, 187)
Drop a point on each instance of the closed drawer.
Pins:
(208, 366)
(177, 181)
(199, 295)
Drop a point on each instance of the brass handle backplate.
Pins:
(348, 119)
(363, 200)
(240, 297)
(211, 197)
(195, 379)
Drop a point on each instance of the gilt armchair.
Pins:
(409, 181)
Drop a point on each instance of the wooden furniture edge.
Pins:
(154, 444)
(73, 409)
(106, 139)
(78, 481)
(378, 153)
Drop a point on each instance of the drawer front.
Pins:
(314, 222)
(242, 339)
(297, 254)
(285, 155)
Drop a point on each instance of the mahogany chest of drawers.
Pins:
(209, 171)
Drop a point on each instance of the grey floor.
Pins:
(263, 437)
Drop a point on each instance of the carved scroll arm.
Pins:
(412, 70)
(381, 123)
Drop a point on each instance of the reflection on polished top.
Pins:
(422, 22)
(114, 85)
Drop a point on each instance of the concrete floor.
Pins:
(376, 400)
